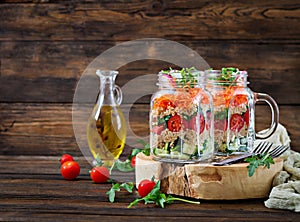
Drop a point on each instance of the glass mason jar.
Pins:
(181, 124)
(234, 111)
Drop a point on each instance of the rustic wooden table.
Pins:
(45, 46)
(32, 189)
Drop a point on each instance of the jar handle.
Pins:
(119, 95)
(275, 114)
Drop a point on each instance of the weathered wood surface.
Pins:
(32, 189)
(49, 71)
(126, 20)
(46, 129)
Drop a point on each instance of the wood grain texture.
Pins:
(37, 192)
(127, 20)
(49, 71)
(46, 129)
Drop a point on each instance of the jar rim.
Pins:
(106, 72)
(173, 78)
(218, 71)
(219, 77)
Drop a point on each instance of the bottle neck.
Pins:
(107, 88)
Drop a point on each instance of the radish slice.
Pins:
(167, 81)
(176, 74)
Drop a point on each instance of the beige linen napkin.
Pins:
(285, 193)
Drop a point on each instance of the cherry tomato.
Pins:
(236, 122)
(65, 158)
(157, 129)
(133, 161)
(246, 117)
(99, 174)
(70, 170)
(174, 123)
(145, 187)
(193, 124)
(220, 124)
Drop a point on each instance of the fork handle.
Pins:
(232, 160)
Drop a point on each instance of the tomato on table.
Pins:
(99, 174)
(174, 123)
(133, 161)
(70, 170)
(236, 122)
(145, 187)
(65, 158)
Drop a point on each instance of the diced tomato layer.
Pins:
(236, 122)
(246, 117)
(220, 124)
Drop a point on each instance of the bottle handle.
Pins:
(274, 111)
(118, 94)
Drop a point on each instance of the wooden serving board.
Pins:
(204, 181)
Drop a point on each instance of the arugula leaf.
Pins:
(112, 192)
(145, 151)
(258, 160)
(125, 166)
(117, 187)
(159, 198)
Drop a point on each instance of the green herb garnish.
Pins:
(187, 76)
(145, 151)
(228, 76)
(258, 160)
(117, 187)
(159, 198)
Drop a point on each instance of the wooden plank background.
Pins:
(46, 45)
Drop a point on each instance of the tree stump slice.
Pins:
(204, 181)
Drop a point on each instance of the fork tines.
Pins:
(262, 147)
(278, 150)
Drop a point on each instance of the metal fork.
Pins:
(261, 148)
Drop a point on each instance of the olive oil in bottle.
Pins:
(107, 135)
(106, 128)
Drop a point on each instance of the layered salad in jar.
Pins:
(231, 111)
(180, 117)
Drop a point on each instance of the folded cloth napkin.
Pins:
(285, 193)
(279, 137)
